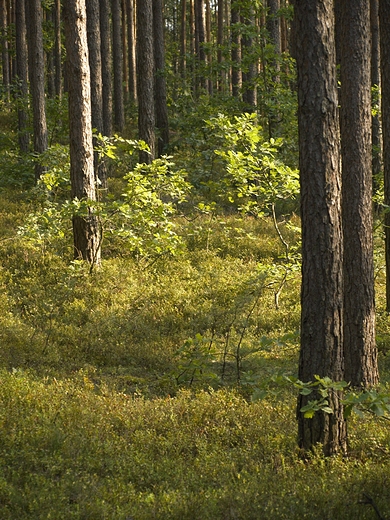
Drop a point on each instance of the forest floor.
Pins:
(158, 390)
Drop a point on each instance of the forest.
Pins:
(194, 259)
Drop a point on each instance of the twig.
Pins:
(369, 501)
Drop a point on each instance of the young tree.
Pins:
(145, 77)
(355, 122)
(86, 233)
(321, 350)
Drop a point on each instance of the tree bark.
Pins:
(57, 48)
(384, 30)
(117, 52)
(248, 79)
(145, 77)
(4, 48)
(355, 122)
(161, 107)
(183, 38)
(105, 34)
(200, 38)
(95, 66)
(131, 51)
(321, 350)
(37, 79)
(22, 75)
(236, 49)
(86, 234)
(375, 82)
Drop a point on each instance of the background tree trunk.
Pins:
(86, 234)
(384, 30)
(145, 77)
(57, 48)
(95, 66)
(4, 48)
(355, 123)
(162, 122)
(117, 53)
(37, 79)
(322, 255)
(236, 49)
(22, 75)
(131, 51)
(105, 34)
(375, 82)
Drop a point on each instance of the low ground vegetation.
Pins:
(156, 386)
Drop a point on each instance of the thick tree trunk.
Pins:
(105, 34)
(117, 52)
(86, 234)
(37, 78)
(162, 122)
(355, 122)
(322, 254)
(384, 29)
(145, 77)
(22, 75)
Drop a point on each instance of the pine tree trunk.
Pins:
(384, 30)
(375, 82)
(321, 350)
(37, 78)
(131, 51)
(183, 38)
(86, 234)
(117, 52)
(355, 122)
(95, 66)
(105, 34)
(162, 122)
(145, 77)
(57, 48)
(4, 48)
(22, 75)
(236, 50)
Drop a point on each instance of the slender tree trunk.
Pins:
(162, 122)
(95, 66)
(200, 38)
(119, 109)
(236, 49)
(355, 120)
(145, 77)
(384, 30)
(124, 26)
(375, 82)
(131, 51)
(220, 44)
(57, 48)
(183, 38)
(105, 34)
(22, 75)
(86, 234)
(4, 48)
(322, 254)
(37, 79)
(275, 36)
(249, 87)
